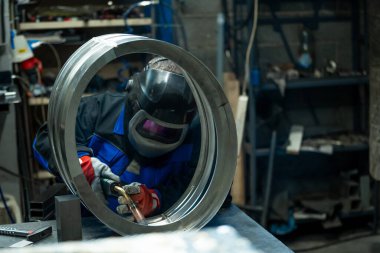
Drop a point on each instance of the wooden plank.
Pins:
(232, 91)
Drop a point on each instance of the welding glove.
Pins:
(94, 170)
(146, 200)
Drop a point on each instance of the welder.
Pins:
(140, 138)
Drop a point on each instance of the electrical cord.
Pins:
(6, 206)
(14, 174)
(249, 47)
(24, 83)
(55, 53)
(36, 118)
(9, 172)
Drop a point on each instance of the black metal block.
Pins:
(42, 207)
(68, 215)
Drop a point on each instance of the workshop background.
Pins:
(311, 125)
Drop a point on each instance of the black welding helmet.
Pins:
(159, 108)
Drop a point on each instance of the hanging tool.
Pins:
(113, 188)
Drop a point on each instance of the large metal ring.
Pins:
(216, 166)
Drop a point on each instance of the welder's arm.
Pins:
(85, 125)
(94, 170)
(43, 154)
(42, 150)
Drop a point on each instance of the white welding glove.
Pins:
(94, 171)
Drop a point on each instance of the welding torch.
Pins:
(113, 188)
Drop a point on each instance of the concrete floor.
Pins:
(354, 237)
(363, 245)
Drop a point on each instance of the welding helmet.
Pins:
(159, 108)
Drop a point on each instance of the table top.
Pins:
(92, 228)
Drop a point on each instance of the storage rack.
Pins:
(239, 43)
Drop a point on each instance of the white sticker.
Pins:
(21, 244)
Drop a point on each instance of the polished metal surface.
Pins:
(94, 229)
(216, 166)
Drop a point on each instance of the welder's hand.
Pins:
(94, 170)
(145, 199)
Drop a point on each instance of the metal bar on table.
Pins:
(268, 185)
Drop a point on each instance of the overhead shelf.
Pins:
(36, 101)
(48, 25)
(303, 83)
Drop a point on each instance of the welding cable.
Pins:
(6, 206)
(249, 47)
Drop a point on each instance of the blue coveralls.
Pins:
(101, 132)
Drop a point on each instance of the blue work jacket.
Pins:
(101, 131)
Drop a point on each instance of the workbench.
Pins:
(92, 228)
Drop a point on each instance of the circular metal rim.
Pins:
(215, 171)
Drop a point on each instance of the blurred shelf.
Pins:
(319, 82)
(357, 213)
(84, 24)
(297, 20)
(36, 101)
(262, 152)
(351, 148)
(342, 215)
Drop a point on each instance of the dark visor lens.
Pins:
(152, 130)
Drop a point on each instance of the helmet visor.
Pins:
(153, 130)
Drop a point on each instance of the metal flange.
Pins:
(216, 165)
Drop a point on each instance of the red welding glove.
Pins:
(146, 199)
(94, 170)
(88, 170)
